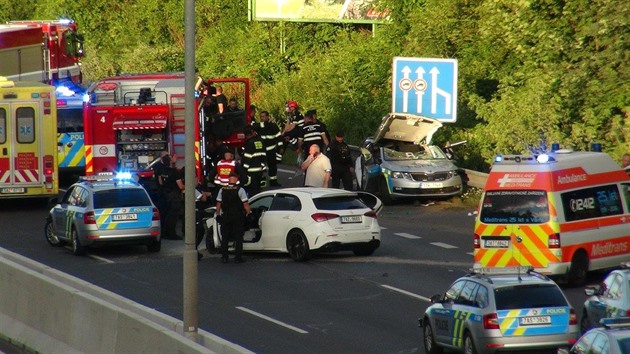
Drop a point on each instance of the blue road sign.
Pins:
(426, 87)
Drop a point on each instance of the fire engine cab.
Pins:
(44, 51)
(129, 120)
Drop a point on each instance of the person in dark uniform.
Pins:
(311, 133)
(270, 135)
(253, 161)
(232, 209)
(173, 193)
(341, 160)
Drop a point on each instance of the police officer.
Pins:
(270, 135)
(173, 193)
(341, 160)
(231, 209)
(253, 161)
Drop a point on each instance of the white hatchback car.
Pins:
(300, 221)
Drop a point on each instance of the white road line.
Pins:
(470, 253)
(406, 235)
(383, 228)
(100, 258)
(443, 245)
(271, 320)
(407, 293)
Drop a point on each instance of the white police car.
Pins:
(499, 310)
(104, 209)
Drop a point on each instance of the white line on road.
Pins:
(406, 235)
(271, 320)
(94, 257)
(407, 293)
(443, 245)
(470, 253)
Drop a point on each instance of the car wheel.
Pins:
(210, 246)
(50, 235)
(469, 344)
(584, 326)
(579, 269)
(430, 347)
(77, 247)
(297, 246)
(383, 190)
(154, 246)
(363, 250)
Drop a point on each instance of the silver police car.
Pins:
(500, 310)
(104, 209)
(612, 338)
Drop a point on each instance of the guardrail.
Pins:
(474, 178)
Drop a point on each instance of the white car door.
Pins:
(276, 222)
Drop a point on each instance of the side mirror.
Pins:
(437, 298)
(593, 290)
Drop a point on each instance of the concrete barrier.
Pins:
(48, 311)
(475, 179)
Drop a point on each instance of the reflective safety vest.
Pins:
(269, 133)
(224, 169)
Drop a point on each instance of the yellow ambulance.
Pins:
(564, 213)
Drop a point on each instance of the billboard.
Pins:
(355, 11)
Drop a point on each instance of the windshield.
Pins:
(514, 207)
(414, 152)
(121, 198)
(529, 296)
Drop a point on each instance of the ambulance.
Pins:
(564, 213)
(28, 140)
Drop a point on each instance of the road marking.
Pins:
(407, 293)
(470, 253)
(301, 331)
(94, 257)
(406, 235)
(443, 245)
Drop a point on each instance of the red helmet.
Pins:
(292, 104)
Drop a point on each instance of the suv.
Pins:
(611, 298)
(500, 310)
(612, 338)
(104, 209)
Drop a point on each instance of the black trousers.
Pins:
(272, 165)
(232, 231)
(341, 174)
(173, 208)
(253, 187)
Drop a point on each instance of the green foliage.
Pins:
(526, 67)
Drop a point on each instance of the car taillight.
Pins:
(573, 317)
(371, 214)
(554, 241)
(49, 168)
(476, 242)
(156, 214)
(321, 217)
(88, 218)
(491, 321)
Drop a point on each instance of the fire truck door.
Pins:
(22, 158)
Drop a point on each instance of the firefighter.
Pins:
(253, 161)
(295, 120)
(270, 135)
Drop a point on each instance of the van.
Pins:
(564, 213)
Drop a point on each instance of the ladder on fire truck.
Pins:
(178, 125)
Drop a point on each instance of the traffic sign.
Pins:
(426, 87)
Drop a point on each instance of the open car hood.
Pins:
(407, 128)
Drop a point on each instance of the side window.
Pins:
(68, 196)
(481, 298)
(264, 203)
(467, 295)
(3, 125)
(75, 199)
(83, 197)
(25, 132)
(453, 292)
(286, 202)
(615, 288)
(600, 345)
(583, 345)
(625, 188)
(592, 202)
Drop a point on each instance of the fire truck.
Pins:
(28, 130)
(44, 51)
(129, 120)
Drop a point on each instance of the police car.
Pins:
(611, 298)
(612, 338)
(499, 310)
(104, 209)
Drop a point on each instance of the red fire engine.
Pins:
(130, 119)
(44, 51)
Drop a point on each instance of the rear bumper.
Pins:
(131, 236)
(535, 344)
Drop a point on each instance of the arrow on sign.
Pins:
(437, 91)
(420, 85)
(406, 71)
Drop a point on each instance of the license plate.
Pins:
(12, 190)
(431, 185)
(124, 217)
(534, 320)
(351, 219)
(496, 243)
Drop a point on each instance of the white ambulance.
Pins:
(564, 213)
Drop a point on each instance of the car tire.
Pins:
(210, 246)
(386, 198)
(297, 246)
(49, 232)
(430, 347)
(579, 269)
(364, 250)
(469, 344)
(77, 247)
(584, 323)
(154, 246)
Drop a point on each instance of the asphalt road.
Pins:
(335, 303)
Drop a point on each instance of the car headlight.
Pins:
(402, 175)
(452, 173)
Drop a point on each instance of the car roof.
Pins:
(311, 192)
(510, 276)
(97, 186)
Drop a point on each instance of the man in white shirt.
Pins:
(317, 167)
